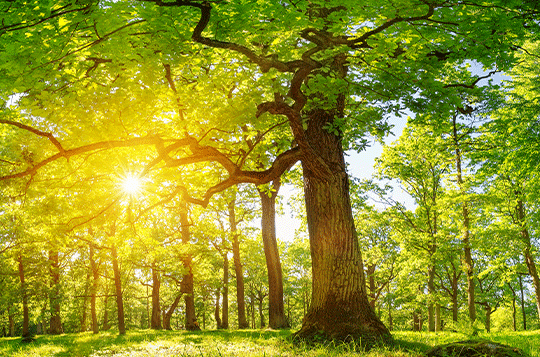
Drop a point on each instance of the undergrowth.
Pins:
(245, 343)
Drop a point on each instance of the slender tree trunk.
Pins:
(106, 313)
(339, 306)
(252, 302)
(240, 288)
(261, 309)
(390, 317)
(93, 290)
(431, 292)
(372, 291)
(216, 310)
(467, 260)
(529, 259)
(187, 280)
(118, 290)
(438, 321)
(156, 310)
(225, 302)
(84, 309)
(514, 313)
(523, 303)
(417, 321)
(54, 294)
(455, 296)
(167, 315)
(11, 322)
(488, 318)
(24, 297)
(276, 309)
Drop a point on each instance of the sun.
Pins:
(131, 184)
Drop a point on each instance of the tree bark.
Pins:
(225, 302)
(417, 321)
(339, 306)
(438, 321)
(156, 310)
(11, 322)
(24, 297)
(187, 288)
(118, 291)
(252, 308)
(431, 292)
(240, 288)
(276, 308)
(529, 258)
(168, 314)
(93, 290)
(261, 309)
(106, 314)
(372, 293)
(455, 296)
(84, 313)
(488, 318)
(55, 327)
(467, 259)
(216, 310)
(523, 303)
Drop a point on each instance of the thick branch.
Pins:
(49, 136)
(147, 140)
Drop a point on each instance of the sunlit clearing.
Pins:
(131, 184)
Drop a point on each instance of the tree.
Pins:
(276, 308)
(420, 170)
(331, 73)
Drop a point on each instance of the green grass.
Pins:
(247, 343)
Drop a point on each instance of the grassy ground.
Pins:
(247, 343)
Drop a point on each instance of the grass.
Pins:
(246, 343)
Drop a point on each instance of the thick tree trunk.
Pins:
(467, 259)
(156, 310)
(216, 310)
(118, 291)
(93, 290)
(240, 288)
(339, 306)
(24, 297)
(54, 294)
(276, 309)
(187, 280)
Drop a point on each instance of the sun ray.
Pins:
(131, 184)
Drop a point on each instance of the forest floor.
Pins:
(245, 343)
